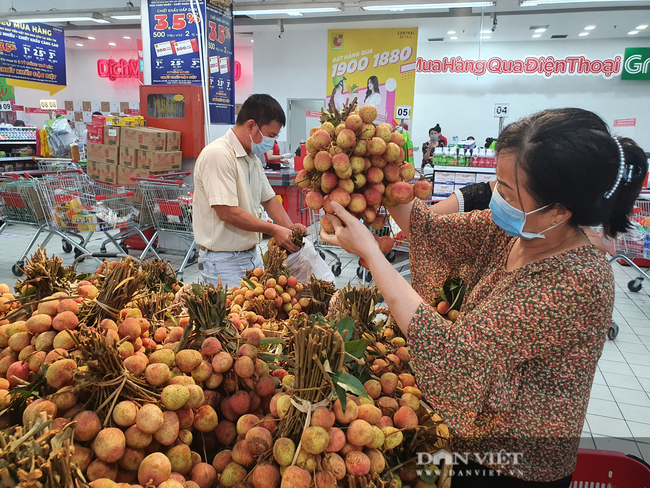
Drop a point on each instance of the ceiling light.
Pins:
(102, 21)
(373, 7)
(583, 34)
(50, 19)
(126, 17)
(126, 37)
(80, 45)
(487, 31)
(633, 33)
(454, 38)
(91, 38)
(485, 37)
(641, 27)
(537, 35)
(541, 29)
(112, 44)
(451, 32)
(252, 40)
(535, 3)
(294, 10)
(590, 27)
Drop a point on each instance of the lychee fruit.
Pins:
(346, 139)
(422, 189)
(314, 200)
(303, 180)
(391, 173)
(321, 139)
(323, 161)
(376, 146)
(354, 122)
(347, 185)
(357, 203)
(369, 215)
(407, 171)
(398, 139)
(358, 164)
(368, 114)
(360, 148)
(402, 192)
(384, 131)
(386, 244)
(340, 196)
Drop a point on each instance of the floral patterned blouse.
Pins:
(515, 370)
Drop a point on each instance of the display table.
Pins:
(293, 199)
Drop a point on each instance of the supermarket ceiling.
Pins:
(114, 20)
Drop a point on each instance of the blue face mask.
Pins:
(511, 219)
(265, 146)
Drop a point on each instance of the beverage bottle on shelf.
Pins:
(461, 157)
(451, 156)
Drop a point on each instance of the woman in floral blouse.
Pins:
(514, 372)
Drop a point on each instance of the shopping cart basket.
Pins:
(610, 469)
(628, 248)
(52, 164)
(322, 247)
(23, 205)
(170, 204)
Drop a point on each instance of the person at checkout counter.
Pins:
(274, 160)
(229, 187)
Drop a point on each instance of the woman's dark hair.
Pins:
(436, 128)
(263, 109)
(570, 158)
(375, 87)
(97, 113)
(19, 123)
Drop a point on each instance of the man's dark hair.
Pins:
(263, 109)
(97, 113)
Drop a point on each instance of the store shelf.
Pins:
(19, 158)
(465, 169)
(26, 141)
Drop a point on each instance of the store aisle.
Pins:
(618, 416)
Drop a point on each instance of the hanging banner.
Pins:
(546, 66)
(32, 52)
(377, 66)
(221, 50)
(174, 44)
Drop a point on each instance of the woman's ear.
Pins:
(561, 214)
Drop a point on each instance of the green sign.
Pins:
(6, 91)
(637, 64)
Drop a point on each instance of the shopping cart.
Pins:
(74, 202)
(610, 469)
(322, 247)
(53, 164)
(23, 205)
(170, 204)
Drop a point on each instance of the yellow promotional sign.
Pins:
(377, 66)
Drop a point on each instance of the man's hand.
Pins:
(282, 237)
(299, 226)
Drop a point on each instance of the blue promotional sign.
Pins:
(32, 52)
(174, 44)
(221, 51)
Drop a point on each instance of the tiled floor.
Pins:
(618, 417)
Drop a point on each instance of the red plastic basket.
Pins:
(609, 469)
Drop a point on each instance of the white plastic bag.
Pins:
(306, 262)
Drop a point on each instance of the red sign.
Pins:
(624, 122)
(313, 113)
(29, 110)
(61, 112)
(546, 66)
(112, 69)
(18, 108)
(132, 111)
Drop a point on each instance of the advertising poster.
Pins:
(174, 44)
(221, 50)
(32, 52)
(377, 66)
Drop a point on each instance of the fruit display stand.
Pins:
(126, 377)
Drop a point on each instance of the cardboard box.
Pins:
(143, 138)
(124, 175)
(111, 135)
(444, 177)
(99, 120)
(159, 160)
(95, 134)
(106, 172)
(465, 178)
(128, 157)
(90, 169)
(442, 190)
(485, 178)
(173, 139)
(102, 153)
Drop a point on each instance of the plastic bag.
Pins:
(306, 262)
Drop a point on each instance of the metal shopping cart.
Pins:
(53, 164)
(23, 205)
(320, 245)
(74, 202)
(170, 204)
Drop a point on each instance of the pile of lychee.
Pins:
(359, 165)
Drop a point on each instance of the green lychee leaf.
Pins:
(349, 383)
(345, 327)
(356, 349)
(342, 396)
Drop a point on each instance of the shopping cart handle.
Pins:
(159, 181)
(43, 173)
(167, 175)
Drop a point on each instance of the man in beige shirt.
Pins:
(229, 186)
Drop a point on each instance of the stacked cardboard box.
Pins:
(115, 153)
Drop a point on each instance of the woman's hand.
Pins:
(351, 234)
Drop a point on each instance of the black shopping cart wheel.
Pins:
(102, 249)
(77, 253)
(635, 285)
(336, 269)
(67, 247)
(391, 256)
(322, 255)
(613, 331)
(16, 269)
(360, 271)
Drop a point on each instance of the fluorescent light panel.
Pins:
(295, 11)
(633, 33)
(454, 38)
(583, 34)
(537, 35)
(55, 20)
(535, 3)
(451, 32)
(425, 6)
(590, 27)
(641, 27)
(125, 17)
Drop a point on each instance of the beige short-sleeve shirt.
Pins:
(226, 175)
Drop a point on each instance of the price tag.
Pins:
(502, 110)
(48, 105)
(214, 65)
(403, 112)
(164, 49)
(5, 106)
